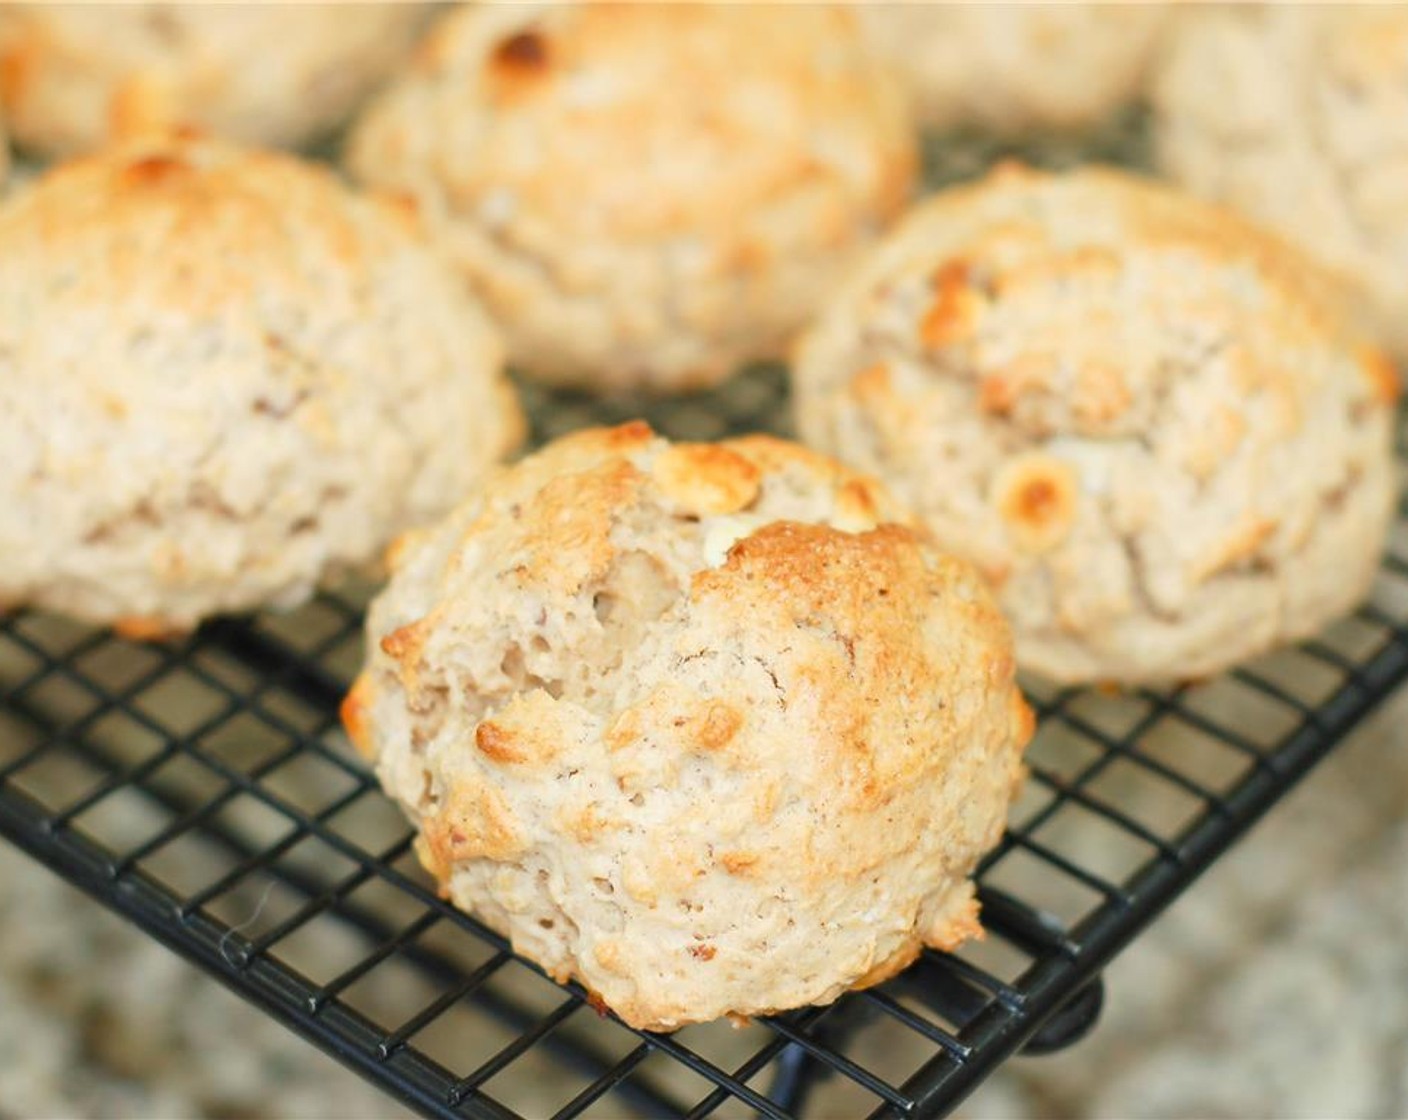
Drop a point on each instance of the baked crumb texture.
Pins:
(645, 196)
(1013, 68)
(76, 76)
(709, 728)
(1297, 115)
(224, 376)
(1150, 425)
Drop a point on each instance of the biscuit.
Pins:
(1151, 425)
(1009, 68)
(224, 376)
(1297, 115)
(707, 727)
(647, 195)
(73, 76)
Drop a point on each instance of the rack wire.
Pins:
(202, 789)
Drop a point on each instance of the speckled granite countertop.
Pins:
(1276, 987)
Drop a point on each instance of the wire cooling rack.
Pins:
(203, 790)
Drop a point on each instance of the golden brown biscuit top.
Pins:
(725, 691)
(1082, 298)
(194, 222)
(714, 109)
(74, 76)
(579, 599)
(555, 517)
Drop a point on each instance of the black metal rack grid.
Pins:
(202, 789)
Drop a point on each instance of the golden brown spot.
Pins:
(739, 863)
(16, 68)
(624, 730)
(1036, 497)
(569, 524)
(856, 510)
(702, 952)
(1038, 500)
(474, 823)
(400, 548)
(898, 174)
(524, 51)
(1010, 169)
(629, 434)
(154, 170)
(402, 206)
(951, 274)
(518, 65)
(141, 106)
(587, 824)
(705, 478)
(497, 742)
(750, 256)
(997, 394)
(952, 929)
(139, 629)
(871, 382)
(955, 308)
(1023, 720)
(1382, 376)
(353, 712)
(404, 641)
(716, 728)
(995, 575)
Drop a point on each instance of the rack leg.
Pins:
(797, 1073)
(1072, 1021)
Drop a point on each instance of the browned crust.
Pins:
(138, 628)
(354, 711)
(1382, 376)
(955, 308)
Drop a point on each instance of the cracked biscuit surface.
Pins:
(1149, 423)
(1297, 115)
(708, 727)
(72, 76)
(223, 376)
(645, 195)
(1015, 67)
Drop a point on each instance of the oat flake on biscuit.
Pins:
(708, 727)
